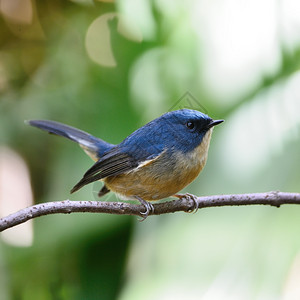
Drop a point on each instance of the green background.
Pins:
(238, 61)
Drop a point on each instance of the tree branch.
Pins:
(122, 208)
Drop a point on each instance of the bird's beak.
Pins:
(214, 123)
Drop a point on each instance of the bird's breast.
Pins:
(198, 156)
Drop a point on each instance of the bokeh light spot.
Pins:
(15, 194)
(18, 11)
(98, 38)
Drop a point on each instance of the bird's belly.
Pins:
(163, 177)
(149, 186)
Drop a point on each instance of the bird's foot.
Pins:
(188, 197)
(148, 208)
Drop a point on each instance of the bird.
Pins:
(154, 162)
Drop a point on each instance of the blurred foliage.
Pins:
(108, 68)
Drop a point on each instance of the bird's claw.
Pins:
(148, 208)
(189, 197)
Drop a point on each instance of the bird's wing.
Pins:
(136, 150)
(114, 162)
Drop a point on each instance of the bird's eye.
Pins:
(190, 125)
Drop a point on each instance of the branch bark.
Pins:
(122, 208)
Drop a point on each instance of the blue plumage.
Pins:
(167, 132)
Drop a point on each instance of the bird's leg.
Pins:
(188, 197)
(148, 207)
(103, 191)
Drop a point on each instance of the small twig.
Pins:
(122, 208)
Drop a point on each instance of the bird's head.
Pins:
(186, 128)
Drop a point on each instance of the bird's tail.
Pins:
(93, 146)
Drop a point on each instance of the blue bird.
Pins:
(156, 161)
